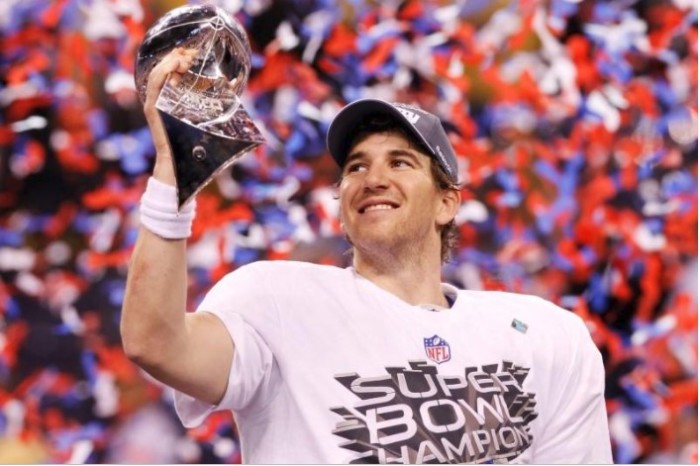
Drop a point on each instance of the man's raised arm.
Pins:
(189, 352)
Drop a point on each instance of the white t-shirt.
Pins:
(330, 368)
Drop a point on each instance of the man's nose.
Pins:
(376, 177)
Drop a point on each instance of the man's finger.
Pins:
(175, 63)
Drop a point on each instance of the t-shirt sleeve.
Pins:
(242, 304)
(576, 427)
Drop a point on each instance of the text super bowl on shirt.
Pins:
(415, 415)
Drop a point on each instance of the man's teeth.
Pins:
(379, 207)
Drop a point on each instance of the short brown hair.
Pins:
(449, 232)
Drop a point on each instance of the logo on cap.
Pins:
(410, 116)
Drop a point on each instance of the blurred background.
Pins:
(576, 126)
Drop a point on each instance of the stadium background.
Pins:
(576, 125)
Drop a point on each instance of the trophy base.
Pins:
(199, 155)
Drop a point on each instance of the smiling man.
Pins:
(396, 198)
(378, 362)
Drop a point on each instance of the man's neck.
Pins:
(412, 280)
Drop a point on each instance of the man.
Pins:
(379, 362)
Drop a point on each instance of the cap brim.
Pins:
(351, 116)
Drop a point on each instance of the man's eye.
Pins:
(401, 163)
(354, 167)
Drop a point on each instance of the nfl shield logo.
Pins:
(437, 349)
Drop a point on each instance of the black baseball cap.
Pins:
(425, 126)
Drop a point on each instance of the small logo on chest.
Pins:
(519, 325)
(437, 349)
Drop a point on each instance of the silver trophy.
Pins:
(206, 124)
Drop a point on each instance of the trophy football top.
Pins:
(207, 126)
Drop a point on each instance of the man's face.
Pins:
(388, 197)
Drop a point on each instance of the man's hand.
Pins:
(171, 67)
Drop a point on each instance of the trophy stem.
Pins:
(199, 155)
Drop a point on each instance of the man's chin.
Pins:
(377, 242)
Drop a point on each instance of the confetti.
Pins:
(575, 126)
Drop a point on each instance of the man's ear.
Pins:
(449, 205)
(341, 219)
(336, 197)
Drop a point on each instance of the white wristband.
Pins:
(159, 212)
